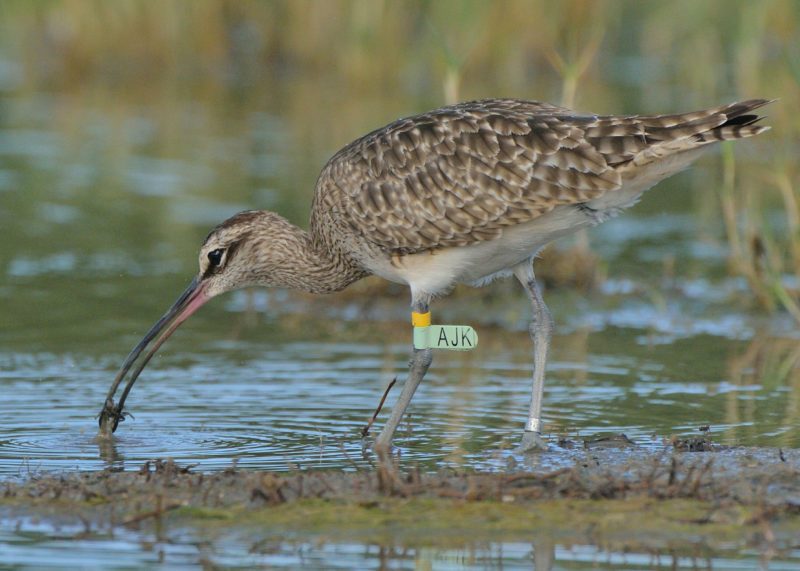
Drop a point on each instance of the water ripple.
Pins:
(304, 404)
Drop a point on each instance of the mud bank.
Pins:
(627, 498)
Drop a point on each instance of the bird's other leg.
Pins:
(541, 329)
(420, 361)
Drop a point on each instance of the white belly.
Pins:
(437, 271)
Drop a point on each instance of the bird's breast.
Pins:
(436, 271)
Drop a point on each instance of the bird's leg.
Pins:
(541, 329)
(420, 361)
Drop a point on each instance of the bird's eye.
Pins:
(215, 257)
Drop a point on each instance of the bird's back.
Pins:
(461, 174)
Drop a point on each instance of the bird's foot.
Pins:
(531, 442)
(381, 448)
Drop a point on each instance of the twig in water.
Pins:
(349, 459)
(365, 430)
(160, 510)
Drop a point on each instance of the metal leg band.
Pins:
(534, 425)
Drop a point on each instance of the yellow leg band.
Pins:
(420, 319)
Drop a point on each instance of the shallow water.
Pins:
(223, 391)
(108, 183)
(42, 544)
(101, 227)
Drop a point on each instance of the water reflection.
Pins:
(34, 543)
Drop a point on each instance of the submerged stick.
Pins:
(365, 430)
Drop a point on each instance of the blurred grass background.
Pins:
(284, 84)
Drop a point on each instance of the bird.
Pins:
(462, 194)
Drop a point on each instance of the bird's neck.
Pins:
(314, 268)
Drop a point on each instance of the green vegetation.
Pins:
(333, 70)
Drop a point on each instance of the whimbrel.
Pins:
(461, 194)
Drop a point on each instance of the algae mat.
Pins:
(621, 501)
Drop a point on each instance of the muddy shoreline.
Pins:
(636, 497)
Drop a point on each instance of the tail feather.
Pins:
(673, 134)
(638, 139)
(739, 122)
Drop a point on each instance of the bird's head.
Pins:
(232, 256)
(255, 247)
(229, 254)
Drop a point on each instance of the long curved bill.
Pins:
(193, 297)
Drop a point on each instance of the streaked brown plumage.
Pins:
(460, 194)
(460, 174)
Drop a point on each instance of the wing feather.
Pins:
(461, 174)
